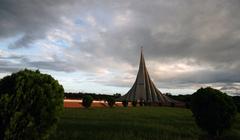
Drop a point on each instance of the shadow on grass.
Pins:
(230, 135)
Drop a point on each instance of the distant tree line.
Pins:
(184, 98)
(236, 100)
(81, 95)
(187, 99)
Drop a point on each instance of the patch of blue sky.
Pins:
(3, 46)
(6, 42)
(27, 51)
(102, 17)
(30, 52)
(79, 22)
(61, 43)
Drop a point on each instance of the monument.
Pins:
(144, 90)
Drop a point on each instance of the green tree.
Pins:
(236, 100)
(125, 103)
(213, 110)
(134, 103)
(30, 104)
(87, 101)
(141, 102)
(110, 101)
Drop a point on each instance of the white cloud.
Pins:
(123, 19)
(91, 20)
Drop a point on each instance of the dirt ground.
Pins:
(68, 103)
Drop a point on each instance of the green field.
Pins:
(132, 123)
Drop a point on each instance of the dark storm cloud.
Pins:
(30, 18)
(7, 66)
(10, 62)
(231, 88)
(209, 77)
(206, 31)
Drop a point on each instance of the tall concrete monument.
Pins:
(145, 90)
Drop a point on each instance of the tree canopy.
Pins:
(30, 104)
(111, 101)
(87, 101)
(213, 110)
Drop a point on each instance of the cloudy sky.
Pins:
(94, 46)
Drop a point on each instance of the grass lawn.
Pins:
(132, 123)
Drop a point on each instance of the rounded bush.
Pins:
(213, 110)
(87, 101)
(172, 104)
(141, 103)
(134, 103)
(110, 101)
(147, 103)
(30, 104)
(125, 103)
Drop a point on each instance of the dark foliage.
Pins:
(141, 102)
(213, 110)
(87, 101)
(30, 104)
(134, 103)
(94, 96)
(236, 100)
(125, 103)
(145, 103)
(172, 104)
(111, 101)
(183, 98)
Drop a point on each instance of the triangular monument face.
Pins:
(144, 89)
